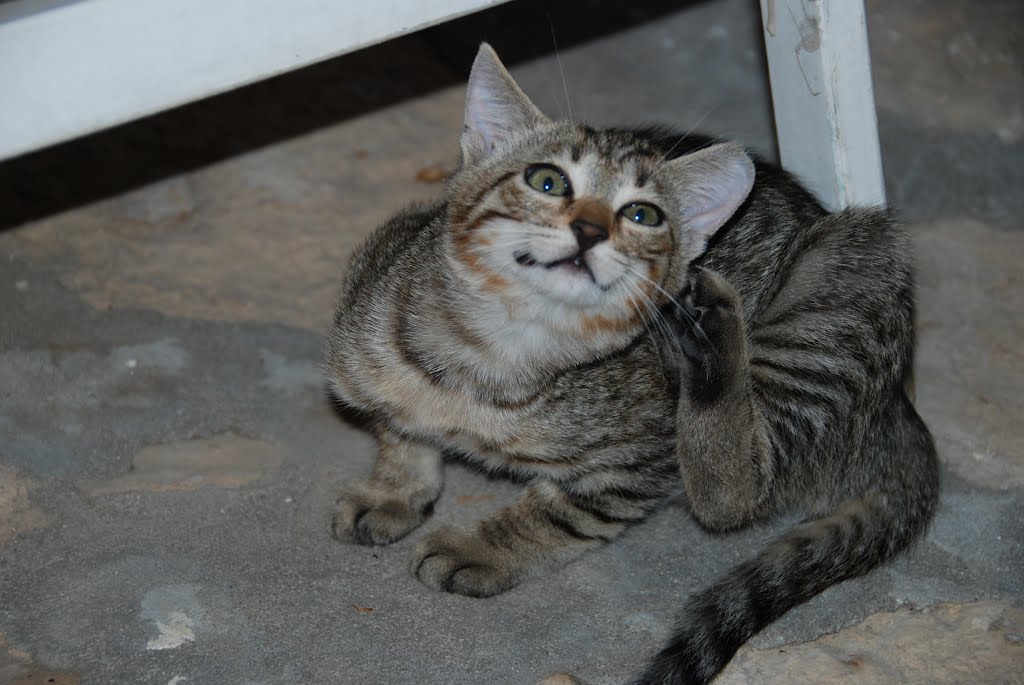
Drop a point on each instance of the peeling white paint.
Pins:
(824, 102)
(174, 633)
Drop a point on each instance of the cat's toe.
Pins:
(453, 561)
(690, 335)
(377, 521)
(709, 290)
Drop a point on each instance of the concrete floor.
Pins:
(168, 459)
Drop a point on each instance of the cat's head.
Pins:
(589, 228)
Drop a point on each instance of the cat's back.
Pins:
(853, 261)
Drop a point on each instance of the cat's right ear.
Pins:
(711, 184)
(496, 108)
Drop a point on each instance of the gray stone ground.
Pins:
(168, 458)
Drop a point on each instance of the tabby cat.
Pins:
(610, 312)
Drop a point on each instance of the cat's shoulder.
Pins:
(415, 225)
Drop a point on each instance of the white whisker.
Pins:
(689, 319)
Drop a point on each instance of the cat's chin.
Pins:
(568, 284)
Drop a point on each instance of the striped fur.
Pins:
(751, 347)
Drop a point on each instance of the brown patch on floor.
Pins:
(223, 461)
(17, 514)
(561, 679)
(948, 644)
(17, 668)
(435, 173)
(262, 237)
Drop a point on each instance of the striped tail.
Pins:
(861, 534)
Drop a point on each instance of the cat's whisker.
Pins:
(491, 247)
(682, 310)
(645, 320)
(629, 267)
(539, 232)
(655, 317)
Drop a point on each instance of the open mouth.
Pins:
(575, 263)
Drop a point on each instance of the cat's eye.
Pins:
(548, 179)
(642, 213)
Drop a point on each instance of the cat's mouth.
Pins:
(573, 263)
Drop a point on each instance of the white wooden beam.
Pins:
(820, 70)
(71, 68)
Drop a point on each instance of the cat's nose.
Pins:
(588, 233)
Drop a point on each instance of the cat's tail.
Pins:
(859, 535)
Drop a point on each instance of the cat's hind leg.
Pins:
(863, 532)
(398, 496)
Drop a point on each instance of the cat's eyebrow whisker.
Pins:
(558, 57)
(686, 135)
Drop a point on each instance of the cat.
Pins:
(610, 314)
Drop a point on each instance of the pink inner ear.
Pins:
(492, 117)
(720, 179)
(481, 120)
(495, 106)
(706, 223)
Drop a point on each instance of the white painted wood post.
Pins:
(825, 117)
(72, 67)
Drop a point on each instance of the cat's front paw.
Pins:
(457, 561)
(372, 517)
(710, 327)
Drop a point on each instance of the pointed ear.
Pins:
(496, 108)
(711, 184)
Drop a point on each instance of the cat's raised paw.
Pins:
(709, 316)
(710, 326)
(456, 561)
(376, 519)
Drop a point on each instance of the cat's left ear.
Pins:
(496, 108)
(711, 184)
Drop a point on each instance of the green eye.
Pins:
(642, 213)
(548, 179)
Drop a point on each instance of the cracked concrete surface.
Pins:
(168, 459)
